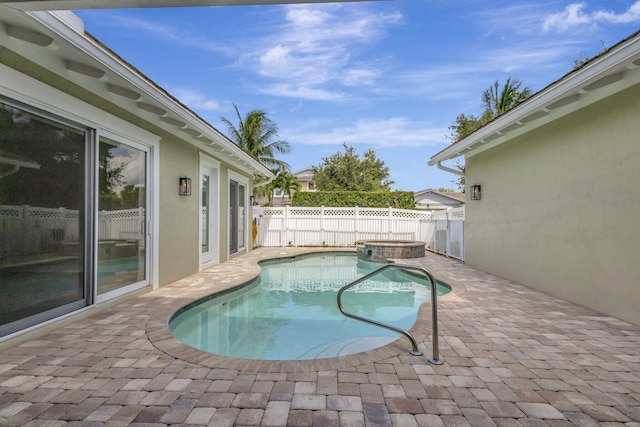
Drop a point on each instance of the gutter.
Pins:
(261, 184)
(448, 169)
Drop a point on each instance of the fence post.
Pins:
(448, 234)
(462, 243)
(285, 236)
(322, 238)
(355, 224)
(389, 223)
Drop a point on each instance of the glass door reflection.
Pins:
(121, 247)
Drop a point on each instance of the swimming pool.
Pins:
(290, 311)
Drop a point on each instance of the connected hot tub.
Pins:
(382, 250)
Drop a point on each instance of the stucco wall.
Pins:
(178, 233)
(560, 208)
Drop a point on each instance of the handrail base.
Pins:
(415, 353)
(435, 361)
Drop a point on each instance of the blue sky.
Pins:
(389, 76)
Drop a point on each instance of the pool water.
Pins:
(290, 312)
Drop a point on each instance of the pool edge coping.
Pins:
(157, 325)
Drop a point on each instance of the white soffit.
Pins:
(33, 5)
(57, 42)
(614, 71)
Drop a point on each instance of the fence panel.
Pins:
(443, 232)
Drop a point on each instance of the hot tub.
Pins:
(382, 250)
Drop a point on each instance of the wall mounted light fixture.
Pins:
(185, 186)
(476, 192)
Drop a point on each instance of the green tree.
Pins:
(459, 181)
(465, 125)
(497, 101)
(348, 172)
(255, 134)
(286, 182)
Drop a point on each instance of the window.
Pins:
(311, 186)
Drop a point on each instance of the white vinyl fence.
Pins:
(444, 233)
(323, 226)
(28, 230)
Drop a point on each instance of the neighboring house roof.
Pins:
(304, 174)
(607, 74)
(82, 59)
(458, 197)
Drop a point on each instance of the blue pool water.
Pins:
(290, 311)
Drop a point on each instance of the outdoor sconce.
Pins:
(476, 192)
(185, 186)
(252, 200)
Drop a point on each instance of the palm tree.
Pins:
(287, 182)
(254, 135)
(498, 101)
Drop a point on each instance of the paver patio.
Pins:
(513, 357)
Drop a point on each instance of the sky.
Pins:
(390, 76)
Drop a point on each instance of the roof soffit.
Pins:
(81, 59)
(38, 5)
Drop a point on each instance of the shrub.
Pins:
(365, 199)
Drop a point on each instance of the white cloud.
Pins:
(288, 90)
(575, 14)
(392, 132)
(631, 15)
(175, 33)
(317, 47)
(359, 77)
(196, 100)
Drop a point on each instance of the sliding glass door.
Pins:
(43, 212)
(59, 250)
(122, 205)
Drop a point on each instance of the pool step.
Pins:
(346, 346)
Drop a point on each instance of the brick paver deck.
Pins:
(513, 357)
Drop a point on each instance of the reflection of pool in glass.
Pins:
(31, 288)
(290, 311)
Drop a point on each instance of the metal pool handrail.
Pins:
(434, 309)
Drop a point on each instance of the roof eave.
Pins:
(166, 111)
(613, 72)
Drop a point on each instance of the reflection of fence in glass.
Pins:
(443, 231)
(28, 230)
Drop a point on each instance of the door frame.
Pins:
(242, 181)
(213, 256)
(151, 191)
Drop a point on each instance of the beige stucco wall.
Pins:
(560, 208)
(178, 216)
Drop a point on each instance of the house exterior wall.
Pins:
(559, 208)
(178, 228)
(178, 214)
